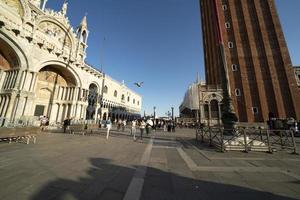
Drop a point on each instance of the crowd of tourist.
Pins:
(143, 125)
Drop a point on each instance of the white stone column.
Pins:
(76, 111)
(2, 73)
(2, 102)
(55, 92)
(29, 107)
(81, 111)
(24, 80)
(18, 78)
(22, 74)
(4, 106)
(220, 113)
(57, 119)
(11, 104)
(44, 4)
(60, 112)
(66, 93)
(33, 81)
(63, 94)
(64, 111)
(69, 113)
(59, 93)
(7, 79)
(70, 94)
(20, 107)
(13, 79)
(84, 112)
(53, 114)
(209, 114)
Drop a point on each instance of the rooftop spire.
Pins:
(83, 23)
(64, 8)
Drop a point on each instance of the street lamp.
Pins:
(172, 113)
(154, 114)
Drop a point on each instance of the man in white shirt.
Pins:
(133, 129)
(108, 126)
(142, 128)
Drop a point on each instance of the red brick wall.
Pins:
(265, 74)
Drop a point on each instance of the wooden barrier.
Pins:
(25, 134)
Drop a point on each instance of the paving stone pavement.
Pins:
(162, 166)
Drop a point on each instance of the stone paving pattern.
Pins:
(69, 167)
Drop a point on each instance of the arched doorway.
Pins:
(92, 100)
(55, 88)
(9, 71)
(214, 107)
(105, 116)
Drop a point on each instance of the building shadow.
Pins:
(108, 181)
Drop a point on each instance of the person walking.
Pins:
(142, 128)
(119, 124)
(133, 129)
(173, 126)
(123, 125)
(165, 126)
(108, 127)
(66, 124)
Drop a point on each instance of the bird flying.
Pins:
(139, 84)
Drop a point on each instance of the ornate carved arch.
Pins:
(58, 30)
(61, 66)
(212, 96)
(15, 53)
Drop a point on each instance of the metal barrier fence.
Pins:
(247, 139)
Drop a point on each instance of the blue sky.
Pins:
(158, 42)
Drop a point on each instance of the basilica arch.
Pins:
(12, 60)
(43, 69)
(55, 91)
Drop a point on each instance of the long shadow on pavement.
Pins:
(109, 181)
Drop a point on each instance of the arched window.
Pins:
(105, 90)
(115, 93)
(128, 99)
(138, 103)
(84, 37)
(214, 107)
(237, 92)
(133, 101)
(123, 97)
(206, 110)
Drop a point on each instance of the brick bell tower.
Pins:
(257, 61)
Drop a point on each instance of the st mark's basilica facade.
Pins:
(43, 69)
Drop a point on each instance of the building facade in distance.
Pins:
(43, 69)
(202, 103)
(255, 55)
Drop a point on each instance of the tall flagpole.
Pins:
(229, 117)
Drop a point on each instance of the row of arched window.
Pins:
(105, 91)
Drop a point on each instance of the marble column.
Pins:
(33, 81)
(1, 77)
(209, 114)
(4, 107)
(10, 107)
(220, 113)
